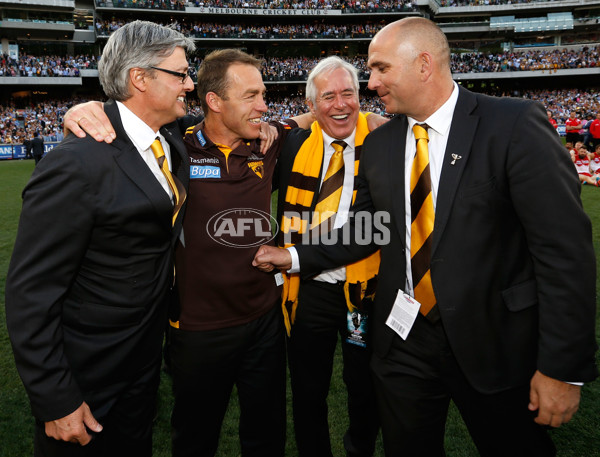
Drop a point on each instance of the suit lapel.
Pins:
(462, 132)
(396, 148)
(179, 155)
(181, 165)
(131, 163)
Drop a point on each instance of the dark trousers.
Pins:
(206, 364)
(414, 384)
(322, 315)
(573, 137)
(127, 425)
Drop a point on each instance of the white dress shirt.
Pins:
(336, 274)
(142, 136)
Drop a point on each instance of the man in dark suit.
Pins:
(505, 276)
(37, 147)
(88, 283)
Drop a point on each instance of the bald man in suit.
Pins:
(509, 260)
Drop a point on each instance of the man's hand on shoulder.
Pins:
(555, 401)
(89, 118)
(269, 257)
(268, 135)
(72, 428)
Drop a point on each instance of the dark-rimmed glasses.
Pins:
(183, 76)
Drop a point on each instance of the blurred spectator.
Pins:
(595, 163)
(573, 126)
(595, 133)
(37, 147)
(552, 120)
(582, 159)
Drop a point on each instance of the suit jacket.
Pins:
(513, 267)
(37, 146)
(87, 287)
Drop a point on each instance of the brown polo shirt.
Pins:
(227, 218)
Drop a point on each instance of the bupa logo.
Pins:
(242, 227)
(200, 172)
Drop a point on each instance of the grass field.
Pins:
(580, 438)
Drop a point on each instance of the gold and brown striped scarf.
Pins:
(361, 276)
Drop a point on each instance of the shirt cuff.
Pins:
(295, 260)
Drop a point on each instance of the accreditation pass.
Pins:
(403, 314)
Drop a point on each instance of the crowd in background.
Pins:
(200, 29)
(344, 5)
(28, 65)
(47, 117)
(17, 125)
(177, 5)
(526, 60)
(354, 5)
(561, 102)
(488, 2)
(297, 68)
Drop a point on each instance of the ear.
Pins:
(311, 106)
(138, 78)
(213, 101)
(426, 64)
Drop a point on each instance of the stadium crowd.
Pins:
(28, 65)
(356, 6)
(561, 102)
(198, 29)
(345, 5)
(488, 2)
(19, 124)
(177, 5)
(526, 60)
(297, 68)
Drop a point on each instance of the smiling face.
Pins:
(243, 104)
(336, 106)
(166, 94)
(394, 73)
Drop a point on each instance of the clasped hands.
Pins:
(267, 258)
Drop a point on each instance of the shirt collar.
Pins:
(349, 140)
(140, 134)
(440, 120)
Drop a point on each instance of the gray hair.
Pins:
(140, 44)
(325, 66)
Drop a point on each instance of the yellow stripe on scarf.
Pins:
(308, 163)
